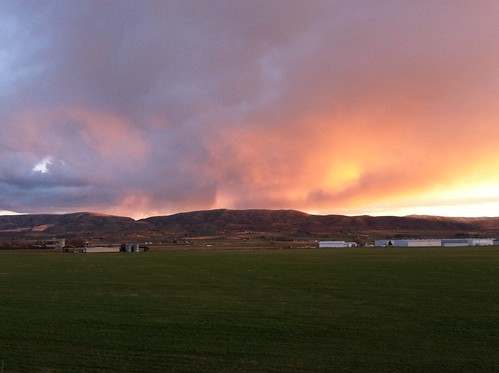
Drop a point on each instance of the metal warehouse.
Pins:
(431, 242)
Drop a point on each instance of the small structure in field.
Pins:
(133, 248)
(52, 244)
(103, 249)
(337, 244)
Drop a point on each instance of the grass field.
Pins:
(358, 310)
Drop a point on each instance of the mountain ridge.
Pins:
(230, 223)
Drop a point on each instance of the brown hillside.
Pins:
(223, 222)
(290, 222)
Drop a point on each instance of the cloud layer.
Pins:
(144, 108)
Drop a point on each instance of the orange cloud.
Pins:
(354, 160)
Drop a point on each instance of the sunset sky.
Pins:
(142, 108)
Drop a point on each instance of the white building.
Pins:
(433, 242)
(337, 244)
(482, 241)
(409, 243)
(457, 242)
(417, 243)
(113, 249)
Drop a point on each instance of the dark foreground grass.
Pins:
(376, 310)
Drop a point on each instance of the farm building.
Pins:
(483, 241)
(447, 242)
(133, 248)
(409, 243)
(456, 242)
(128, 248)
(337, 244)
(112, 249)
(57, 244)
(468, 242)
(418, 243)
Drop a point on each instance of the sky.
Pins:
(354, 107)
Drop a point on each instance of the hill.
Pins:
(290, 222)
(234, 223)
(40, 226)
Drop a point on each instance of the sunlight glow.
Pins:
(6, 212)
(341, 176)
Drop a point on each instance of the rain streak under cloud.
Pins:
(144, 108)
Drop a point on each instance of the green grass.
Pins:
(357, 310)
